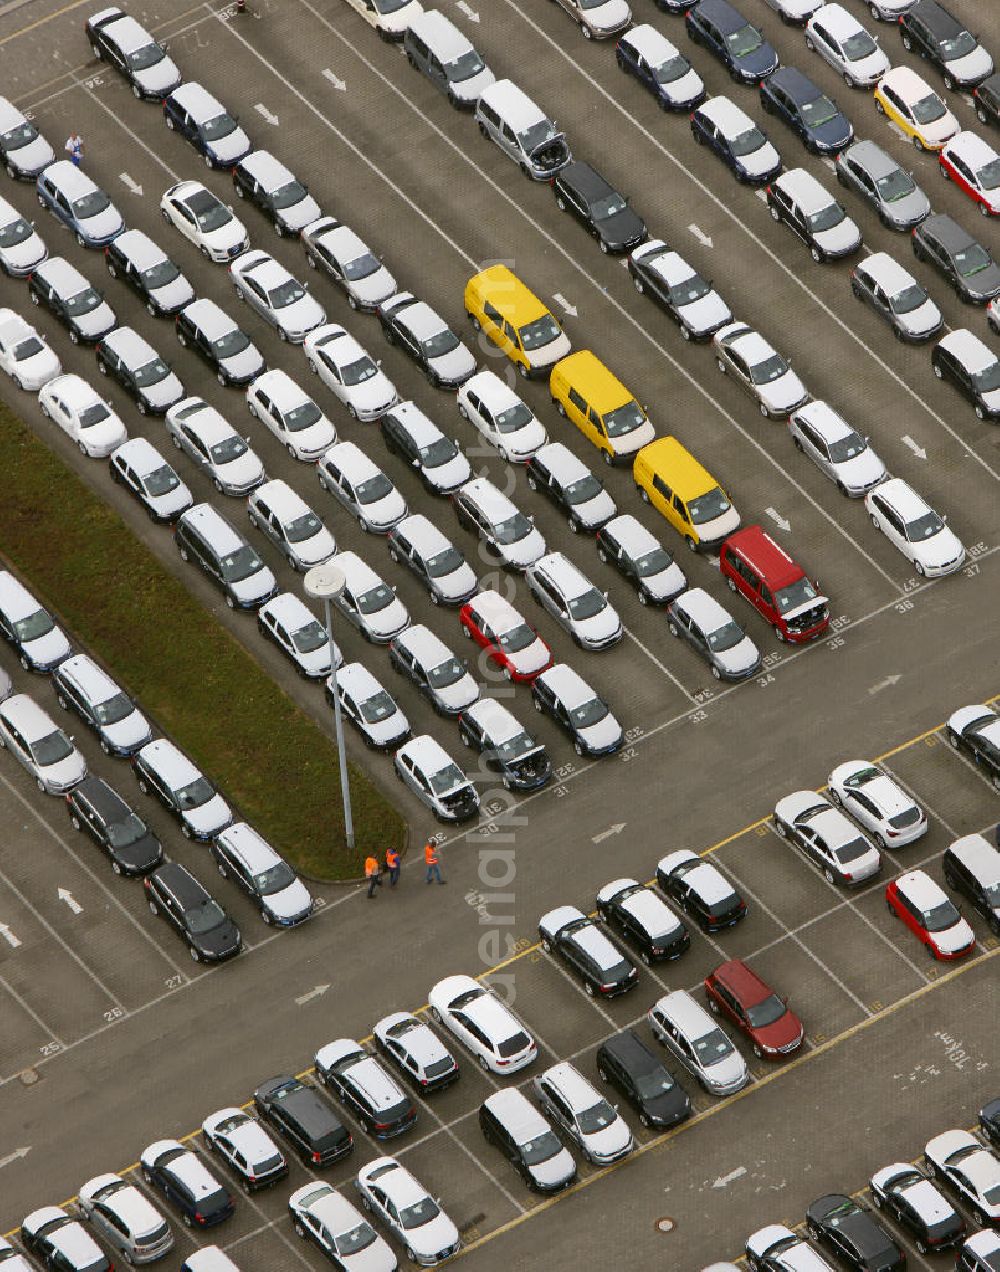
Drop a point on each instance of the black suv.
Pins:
(644, 919)
(972, 367)
(438, 460)
(728, 36)
(152, 275)
(130, 845)
(972, 866)
(511, 1123)
(186, 1181)
(937, 35)
(853, 1234)
(306, 1120)
(598, 207)
(963, 261)
(187, 906)
(218, 341)
(627, 1063)
(365, 1088)
(587, 951)
(806, 109)
(65, 292)
(989, 1122)
(701, 889)
(987, 99)
(120, 41)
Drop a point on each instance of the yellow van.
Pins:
(601, 407)
(513, 317)
(670, 478)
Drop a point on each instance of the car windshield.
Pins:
(972, 259)
(826, 218)
(91, 204)
(610, 205)
(374, 489)
(446, 779)
(624, 419)
(517, 638)
(928, 109)
(649, 1085)
(708, 506)
(726, 637)
(27, 348)
(464, 67)
(114, 709)
(988, 380)
(310, 638)
(819, 111)
(378, 707)
(84, 301)
(858, 46)
(196, 793)
(228, 449)
(232, 343)
(895, 185)
(151, 373)
(390, 6)
(241, 564)
(23, 135)
(303, 528)
(583, 490)
(590, 713)
(445, 673)
(540, 1149)
(674, 68)
(924, 527)
(377, 598)
(540, 332)
(712, 1047)
(513, 530)
(358, 372)
(963, 44)
(771, 369)
(142, 59)
(51, 749)
(274, 878)
(445, 562)
(161, 481)
(15, 232)
(442, 342)
(205, 916)
(361, 267)
(767, 1012)
(909, 299)
(688, 290)
(221, 126)
(801, 592)
(421, 1212)
(34, 626)
(126, 832)
(941, 916)
(597, 1118)
(160, 274)
(93, 414)
(845, 448)
(653, 562)
(851, 851)
(360, 1237)
(515, 747)
(441, 451)
(513, 419)
(746, 40)
(286, 293)
(301, 417)
(587, 604)
(745, 143)
(988, 175)
(289, 194)
(208, 211)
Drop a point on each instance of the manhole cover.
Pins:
(666, 1224)
(29, 1077)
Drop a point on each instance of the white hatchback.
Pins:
(911, 525)
(83, 415)
(291, 415)
(878, 802)
(24, 355)
(39, 745)
(473, 1014)
(349, 372)
(501, 417)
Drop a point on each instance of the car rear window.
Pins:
(512, 1045)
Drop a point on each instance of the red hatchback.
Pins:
(756, 567)
(929, 912)
(495, 625)
(737, 992)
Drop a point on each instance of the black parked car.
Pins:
(976, 731)
(628, 1065)
(211, 333)
(120, 41)
(305, 1119)
(173, 892)
(972, 866)
(701, 889)
(989, 1122)
(938, 36)
(806, 109)
(137, 261)
(972, 367)
(853, 1235)
(64, 292)
(987, 98)
(130, 845)
(505, 746)
(963, 261)
(585, 949)
(918, 1206)
(644, 919)
(366, 1088)
(660, 68)
(735, 42)
(597, 205)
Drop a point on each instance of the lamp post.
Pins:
(324, 583)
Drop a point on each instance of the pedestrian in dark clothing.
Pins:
(373, 875)
(392, 865)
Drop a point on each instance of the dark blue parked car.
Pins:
(70, 195)
(728, 36)
(203, 121)
(807, 110)
(736, 139)
(184, 1179)
(660, 67)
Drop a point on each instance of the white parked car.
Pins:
(778, 1249)
(21, 246)
(246, 1147)
(838, 450)
(370, 707)
(12, 1260)
(416, 1051)
(349, 372)
(879, 803)
(827, 838)
(798, 12)
(473, 1014)
(220, 452)
(840, 39)
(349, 261)
(83, 415)
(61, 1241)
(918, 1205)
(501, 526)
(362, 487)
(913, 527)
(390, 18)
(408, 1210)
(291, 414)
(342, 1233)
(368, 602)
(142, 470)
(280, 512)
(24, 355)
(435, 779)
(705, 1050)
(502, 418)
(204, 220)
(576, 1105)
(126, 1219)
(288, 621)
(417, 543)
(759, 369)
(280, 299)
(970, 1170)
(39, 745)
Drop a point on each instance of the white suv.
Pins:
(502, 418)
(283, 515)
(291, 414)
(362, 487)
(584, 1114)
(368, 602)
(487, 1027)
(206, 437)
(37, 743)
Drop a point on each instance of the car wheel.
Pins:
(644, 495)
(105, 746)
(220, 866)
(980, 1217)
(410, 1255)
(984, 210)
(586, 32)
(186, 831)
(918, 144)
(195, 957)
(713, 1006)
(220, 375)
(40, 784)
(75, 822)
(116, 867)
(763, 410)
(638, 284)
(828, 875)
(817, 255)
(918, 566)
(574, 525)
(546, 945)
(980, 115)
(240, 296)
(716, 673)
(153, 909)
(169, 122)
(143, 786)
(672, 628)
(578, 748)
(482, 1064)
(758, 1051)
(879, 107)
(691, 543)
(721, 365)
(80, 239)
(608, 458)
(589, 989)
(560, 203)
(603, 247)
(780, 828)
(875, 522)
(12, 171)
(218, 485)
(537, 705)
(208, 161)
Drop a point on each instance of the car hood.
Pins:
(783, 394)
(317, 661)
(634, 441)
(603, 626)
(471, 89)
(623, 229)
(559, 1169)
(129, 734)
(456, 366)
(730, 1071)
(758, 64)
(526, 440)
(171, 504)
(231, 148)
(300, 214)
(212, 816)
(940, 131)
(862, 472)
(685, 91)
(922, 321)
(388, 730)
(104, 225)
(98, 322)
(159, 79)
(525, 552)
(667, 584)
(439, 1234)
(449, 476)
(671, 1106)
(377, 1257)
(33, 157)
(241, 471)
(834, 134)
(396, 23)
(101, 439)
(526, 662)
(597, 510)
(221, 940)
(760, 161)
(302, 315)
(707, 314)
(256, 588)
(290, 902)
(50, 649)
(66, 772)
(245, 364)
(972, 68)
(840, 239)
(142, 855)
(783, 1033)
(611, 1140)
(463, 693)
(986, 284)
(315, 440)
(227, 238)
(375, 288)
(457, 585)
(319, 548)
(911, 209)
(164, 393)
(739, 660)
(39, 369)
(958, 937)
(552, 352)
(26, 255)
(719, 527)
(373, 395)
(608, 16)
(869, 69)
(605, 733)
(944, 547)
(385, 512)
(388, 621)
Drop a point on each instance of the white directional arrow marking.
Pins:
(265, 113)
(704, 239)
(471, 14)
(616, 829)
(778, 519)
(919, 451)
(126, 180)
(563, 303)
(313, 993)
(9, 936)
(887, 683)
(65, 895)
(335, 80)
(731, 1178)
(16, 1156)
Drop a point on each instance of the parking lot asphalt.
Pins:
(113, 1038)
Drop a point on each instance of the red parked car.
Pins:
(494, 624)
(930, 913)
(974, 166)
(756, 567)
(737, 992)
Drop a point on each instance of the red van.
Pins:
(755, 566)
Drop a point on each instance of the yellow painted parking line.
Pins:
(33, 26)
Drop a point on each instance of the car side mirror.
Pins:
(378, 362)
(531, 517)
(229, 206)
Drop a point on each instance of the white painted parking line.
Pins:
(591, 998)
(665, 670)
(27, 1008)
(904, 785)
(449, 1131)
(154, 155)
(733, 215)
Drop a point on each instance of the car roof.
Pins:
(402, 1187)
(905, 81)
(265, 269)
(281, 498)
(743, 981)
(632, 1051)
(424, 644)
(983, 1243)
(975, 150)
(512, 103)
(496, 609)
(188, 890)
(938, 19)
(749, 343)
(725, 114)
(265, 168)
(420, 319)
(795, 83)
(869, 154)
(359, 573)
(337, 342)
(425, 536)
(351, 460)
(92, 679)
(579, 1091)
(587, 181)
(426, 753)
(68, 178)
(132, 348)
(723, 15)
(650, 42)
(420, 427)
(901, 496)
(490, 498)
(200, 415)
(887, 271)
(979, 856)
(822, 416)
(447, 41)
(251, 847)
(568, 685)
(685, 1012)
(513, 1108)
(757, 547)
(663, 261)
(947, 231)
(283, 390)
(335, 1211)
(496, 721)
(209, 1259)
(492, 389)
(974, 354)
(837, 20)
(15, 599)
(213, 525)
(169, 762)
(703, 608)
(631, 534)
(358, 681)
(194, 97)
(211, 318)
(139, 248)
(74, 390)
(561, 462)
(62, 275)
(106, 801)
(811, 195)
(921, 889)
(289, 609)
(10, 116)
(420, 1040)
(561, 571)
(31, 720)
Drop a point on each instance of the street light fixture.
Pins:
(325, 583)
